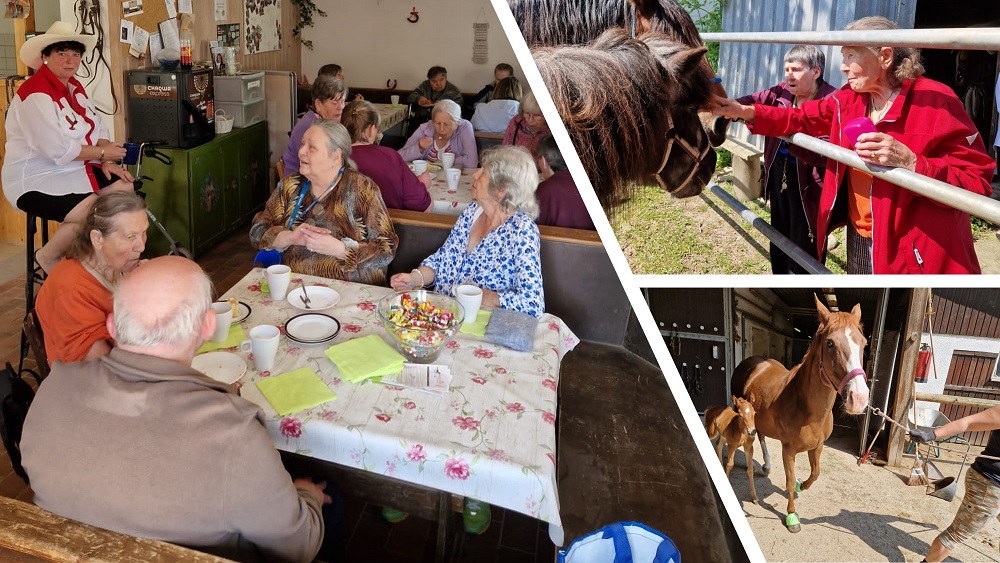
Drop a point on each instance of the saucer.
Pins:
(244, 311)
(312, 328)
(319, 298)
(220, 366)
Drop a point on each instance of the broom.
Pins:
(917, 476)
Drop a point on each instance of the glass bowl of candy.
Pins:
(420, 322)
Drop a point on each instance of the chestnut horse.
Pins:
(628, 78)
(795, 406)
(735, 427)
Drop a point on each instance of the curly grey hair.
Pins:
(337, 137)
(906, 63)
(512, 169)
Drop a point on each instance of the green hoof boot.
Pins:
(792, 523)
(798, 486)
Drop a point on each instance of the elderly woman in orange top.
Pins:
(74, 302)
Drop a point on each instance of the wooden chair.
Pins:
(486, 140)
(280, 167)
(33, 333)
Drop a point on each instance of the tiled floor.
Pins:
(512, 537)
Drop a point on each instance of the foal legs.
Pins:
(788, 457)
(748, 452)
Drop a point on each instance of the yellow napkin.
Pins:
(295, 391)
(364, 358)
(236, 335)
(477, 327)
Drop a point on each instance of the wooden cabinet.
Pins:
(209, 191)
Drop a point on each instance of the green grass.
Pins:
(701, 235)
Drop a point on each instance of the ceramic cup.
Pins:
(454, 175)
(419, 167)
(263, 344)
(278, 278)
(471, 297)
(395, 99)
(223, 320)
(448, 160)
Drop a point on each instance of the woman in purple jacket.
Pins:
(445, 132)
(400, 188)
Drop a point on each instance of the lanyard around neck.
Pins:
(295, 216)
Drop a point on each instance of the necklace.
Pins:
(879, 114)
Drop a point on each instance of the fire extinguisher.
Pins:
(923, 360)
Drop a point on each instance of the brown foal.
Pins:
(735, 426)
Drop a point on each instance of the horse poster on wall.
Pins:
(262, 25)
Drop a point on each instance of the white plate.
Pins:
(244, 311)
(312, 328)
(319, 298)
(220, 366)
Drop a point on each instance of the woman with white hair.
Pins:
(445, 132)
(328, 219)
(495, 243)
(528, 126)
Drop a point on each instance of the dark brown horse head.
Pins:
(633, 121)
(840, 343)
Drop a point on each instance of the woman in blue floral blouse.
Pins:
(495, 242)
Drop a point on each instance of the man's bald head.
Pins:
(162, 302)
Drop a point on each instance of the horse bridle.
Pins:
(693, 152)
(858, 372)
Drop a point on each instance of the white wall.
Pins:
(944, 347)
(374, 42)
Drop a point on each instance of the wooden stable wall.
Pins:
(288, 57)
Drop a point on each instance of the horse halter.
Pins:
(692, 151)
(843, 382)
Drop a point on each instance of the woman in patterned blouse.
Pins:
(329, 219)
(495, 243)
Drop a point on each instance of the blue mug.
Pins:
(131, 153)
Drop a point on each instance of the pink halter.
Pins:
(843, 382)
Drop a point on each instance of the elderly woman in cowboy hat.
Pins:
(58, 154)
(920, 125)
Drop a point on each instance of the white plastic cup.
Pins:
(448, 160)
(395, 99)
(263, 344)
(223, 320)
(419, 167)
(454, 175)
(471, 297)
(278, 278)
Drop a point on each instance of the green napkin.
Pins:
(364, 358)
(264, 288)
(295, 391)
(477, 327)
(236, 335)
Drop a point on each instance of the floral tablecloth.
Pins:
(491, 438)
(450, 203)
(391, 115)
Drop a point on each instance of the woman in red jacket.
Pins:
(921, 126)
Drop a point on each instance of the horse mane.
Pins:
(554, 22)
(613, 100)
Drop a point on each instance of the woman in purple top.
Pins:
(329, 96)
(445, 132)
(400, 188)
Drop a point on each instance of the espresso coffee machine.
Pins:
(175, 107)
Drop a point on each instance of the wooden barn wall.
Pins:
(966, 312)
(749, 67)
(288, 57)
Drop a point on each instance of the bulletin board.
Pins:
(153, 12)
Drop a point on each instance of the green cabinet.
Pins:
(209, 191)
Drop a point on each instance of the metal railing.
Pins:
(952, 38)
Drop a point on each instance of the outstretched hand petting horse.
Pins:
(795, 405)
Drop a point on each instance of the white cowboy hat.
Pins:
(31, 51)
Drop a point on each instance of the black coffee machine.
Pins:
(175, 107)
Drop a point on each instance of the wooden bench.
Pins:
(746, 168)
(29, 533)
(625, 454)
(581, 286)
(486, 140)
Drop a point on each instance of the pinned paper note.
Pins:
(171, 9)
(127, 30)
(140, 42)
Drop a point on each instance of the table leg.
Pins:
(444, 517)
